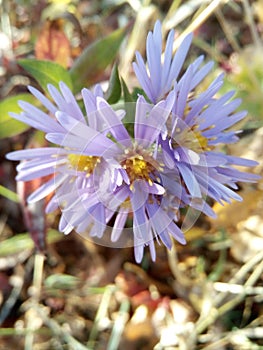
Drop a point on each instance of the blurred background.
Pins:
(65, 292)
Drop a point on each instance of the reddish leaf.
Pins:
(34, 213)
(52, 44)
(4, 283)
(145, 297)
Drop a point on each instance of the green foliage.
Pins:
(94, 59)
(126, 94)
(5, 192)
(113, 93)
(46, 72)
(61, 281)
(23, 241)
(247, 78)
(9, 126)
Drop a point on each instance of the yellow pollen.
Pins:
(138, 168)
(83, 163)
(202, 141)
(192, 139)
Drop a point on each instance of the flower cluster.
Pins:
(111, 178)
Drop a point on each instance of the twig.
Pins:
(237, 288)
(202, 324)
(227, 30)
(251, 24)
(173, 264)
(17, 281)
(35, 291)
(119, 325)
(241, 333)
(240, 275)
(208, 318)
(58, 331)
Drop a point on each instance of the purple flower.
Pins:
(199, 123)
(143, 191)
(99, 172)
(138, 188)
(159, 78)
(120, 181)
(69, 166)
(197, 130)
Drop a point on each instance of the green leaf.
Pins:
(95, 58)
(130, 107)
(23, 241)
(9, 126)
(46, 72)
(61, 281)
(5, 192)
(138, 91)
(113, 93)
(126, 94)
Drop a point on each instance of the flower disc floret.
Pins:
(83, 163)
(191, 138)
(140, 165)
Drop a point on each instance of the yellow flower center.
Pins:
(201, 141)
(138, 168)
(192, 139)
(83, 163)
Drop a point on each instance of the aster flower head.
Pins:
(138, 190)
(98, 170)
(65, 165)
(199, 126)
(199, 122)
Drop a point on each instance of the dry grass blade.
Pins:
(17, 280)
(218, 311)
(35, 291)
(251, 23)
(199, 20)
(101, 315)
(177, 15)
(119, 325)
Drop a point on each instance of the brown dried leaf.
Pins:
(53, 44)
(230, 215)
